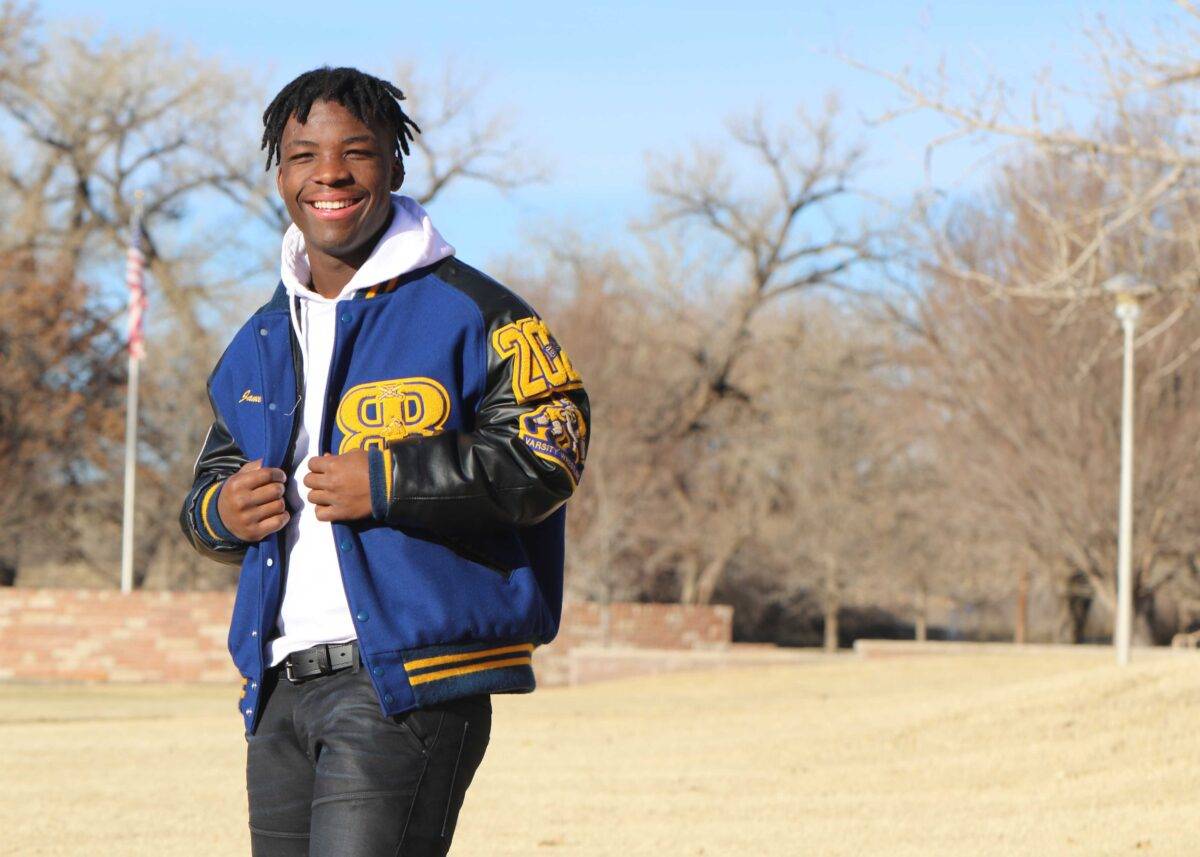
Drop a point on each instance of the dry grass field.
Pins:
(955, 755)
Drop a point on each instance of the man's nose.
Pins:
(331, 171)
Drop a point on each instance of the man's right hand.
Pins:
(251, 502)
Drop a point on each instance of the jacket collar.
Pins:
(277, 303)
(279, 299)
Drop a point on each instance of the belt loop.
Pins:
(355, 655)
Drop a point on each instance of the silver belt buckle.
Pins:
(287, 670)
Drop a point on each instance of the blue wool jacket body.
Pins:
(476, 428)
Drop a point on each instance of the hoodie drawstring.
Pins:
(293, 302)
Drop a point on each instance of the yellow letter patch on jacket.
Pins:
(371, 414)
(540, 366)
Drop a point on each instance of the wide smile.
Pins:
(334, 209)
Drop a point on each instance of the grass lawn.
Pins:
(956, 755)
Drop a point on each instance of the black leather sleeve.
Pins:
(523, 456)
(219, 458)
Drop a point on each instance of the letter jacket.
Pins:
(476, 428)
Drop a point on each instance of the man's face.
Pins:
(335, 177)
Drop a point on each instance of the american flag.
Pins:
(135, 264)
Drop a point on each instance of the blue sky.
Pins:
(595, 88)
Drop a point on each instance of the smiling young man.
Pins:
(394, 437)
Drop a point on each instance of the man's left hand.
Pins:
(340, 486)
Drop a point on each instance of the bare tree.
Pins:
(58, 397)
(85, 122)
(1137, 152)
(1024, 406)
(774, 229)
(1026, 401)
(461, 140)
(719, 250)
(94, 120)
(836, 457)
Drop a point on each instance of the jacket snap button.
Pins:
(346, 317)
(270, 562)
(345, 546)
(387, 697)
(254, 633)
(262, 331)
(254, 685)
(249, 711)
(362, 616)
(271, 406)
(377, 670)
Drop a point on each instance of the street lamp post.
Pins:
(1127, 291)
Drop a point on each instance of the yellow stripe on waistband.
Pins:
(524, 660)
(387, 474)
(459, 657)
(212, 489)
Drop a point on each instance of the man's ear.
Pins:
(279, 181)
(397, 172)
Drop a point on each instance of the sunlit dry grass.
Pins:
(980, 755)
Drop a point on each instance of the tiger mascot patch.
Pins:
(556, 432)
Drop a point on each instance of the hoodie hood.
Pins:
(410, 242)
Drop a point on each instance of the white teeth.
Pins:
(332, 205)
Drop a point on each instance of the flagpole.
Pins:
(130, 452)
(131, 406)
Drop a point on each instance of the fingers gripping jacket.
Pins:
(524, 455)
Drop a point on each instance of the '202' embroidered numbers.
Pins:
(540, 365)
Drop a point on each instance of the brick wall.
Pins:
(621, 626)
(102, 635)
(646, 626)
(84, 634)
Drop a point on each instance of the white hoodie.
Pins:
(314, 608)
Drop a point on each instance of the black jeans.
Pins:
(328, 775)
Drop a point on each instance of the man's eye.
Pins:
(301, 156)
(358, 153)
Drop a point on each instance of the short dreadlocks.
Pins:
(371, 100)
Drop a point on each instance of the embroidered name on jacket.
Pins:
(371, 414)
(541, 366)
(557, 433)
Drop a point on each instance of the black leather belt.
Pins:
(320, 660)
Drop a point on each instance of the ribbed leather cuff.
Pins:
(379, 468)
